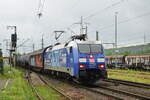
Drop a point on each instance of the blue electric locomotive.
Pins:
(83, 61)
(78, 59)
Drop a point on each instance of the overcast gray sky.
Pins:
(133, 20)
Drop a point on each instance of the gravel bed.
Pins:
(77, 93)
(36, 80)
(125, 97)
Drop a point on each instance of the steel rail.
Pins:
(91, 90)
(33, 88)
(75, 83)
(126, 93)
(135, 84)
(5, 86)
(103, 93)
(57, 90)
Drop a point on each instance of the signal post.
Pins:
(1, 62)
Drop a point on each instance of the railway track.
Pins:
(49, 86)
(103, 93)
(111, 97)
(106, 91)
(129, 83)
(138, 96)
(74, 84)
(33, 88)
(115, 94)
(5, 86)
(56, 89)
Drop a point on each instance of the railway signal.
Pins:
(1, 62)
(14, 40)
(13, 37)
(13, 43)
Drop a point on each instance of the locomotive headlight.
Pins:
(82, 66)
(101, 66)
(101, 60)
(82, 59)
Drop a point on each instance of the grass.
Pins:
(130, 75)
(129, 71)
(48, 93)
(19, 88)
(7, 73)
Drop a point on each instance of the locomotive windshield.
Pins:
(90, 48)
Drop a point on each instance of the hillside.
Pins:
(138, 49)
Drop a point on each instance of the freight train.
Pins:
(136, 62)
(78, 59)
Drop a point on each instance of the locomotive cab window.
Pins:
(96, 48)
(90, 48)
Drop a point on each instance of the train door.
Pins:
(63, 58)
(70, 60)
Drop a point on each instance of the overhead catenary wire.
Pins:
(115, 4)
(20, 45)
(75, 4)
(127, 20)
(133, 38)
(128, 41)
(123, 21)
(104, 10)
(41, 5)
(69, 28)
(94, 14)
(40, 8)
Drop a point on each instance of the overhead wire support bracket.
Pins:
(58, 34)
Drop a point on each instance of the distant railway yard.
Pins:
(22, 84)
